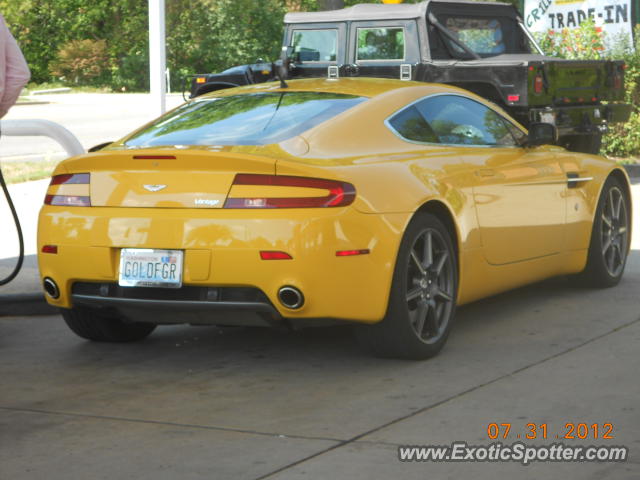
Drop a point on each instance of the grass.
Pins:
(16, 172)
(34, 87)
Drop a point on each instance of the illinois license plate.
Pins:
(150, 268)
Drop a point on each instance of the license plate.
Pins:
(150, 268)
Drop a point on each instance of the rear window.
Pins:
(252, 119)
(486, 36)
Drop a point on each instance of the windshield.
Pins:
(251, 119)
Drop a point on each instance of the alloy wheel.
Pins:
(430, 285)
(615, 232)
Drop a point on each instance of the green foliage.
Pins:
(589, 42)
(624, 140)
(81, 61)
(202, 36)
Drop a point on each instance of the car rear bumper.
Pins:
(222, 250)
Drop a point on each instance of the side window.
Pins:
(381, 43)
(315, 45)
(518, 134)
(410, 125)
(462, 121)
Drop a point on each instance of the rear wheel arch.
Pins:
(622, 178)
(599, 271)
(444, 214)
(618, 174)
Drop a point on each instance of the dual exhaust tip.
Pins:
(51, 287)
(291, 297)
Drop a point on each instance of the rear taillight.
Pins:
(617, 81)
(538, 84)
(66, 199)
(336, 194)
(70, 178)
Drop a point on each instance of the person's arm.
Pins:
(14, 72)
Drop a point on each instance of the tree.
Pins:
(330, 4)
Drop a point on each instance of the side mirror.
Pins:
(542, 134)
(287, 53)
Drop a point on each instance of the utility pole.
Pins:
(157, 56)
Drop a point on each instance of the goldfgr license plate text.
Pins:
(150, 268)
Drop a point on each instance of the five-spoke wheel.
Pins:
(610, 237)
(430, 285)
(423, 294)
(615, 231)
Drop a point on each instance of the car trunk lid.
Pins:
(173, 179)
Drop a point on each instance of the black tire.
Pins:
(422, 300)
(582, 143)
(610, 235)
(100, 327)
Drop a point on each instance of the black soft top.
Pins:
(371, 11)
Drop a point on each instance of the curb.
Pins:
(25, 304)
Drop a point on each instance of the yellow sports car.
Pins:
(382, 203)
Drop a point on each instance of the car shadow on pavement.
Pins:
(517, 314)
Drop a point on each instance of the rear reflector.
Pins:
(617, 81)
(201, 80)
(67, 200)
(538, 84)
(339, 194)
(273, 255)
(49, 249)
(513, 98)
(349, 253)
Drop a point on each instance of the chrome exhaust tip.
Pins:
(51, 287)
(291, 297)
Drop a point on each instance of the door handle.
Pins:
(574, 179)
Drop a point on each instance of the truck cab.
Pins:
(483, 47)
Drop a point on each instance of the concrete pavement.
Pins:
(200, 402)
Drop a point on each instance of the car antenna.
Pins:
(282, 70)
